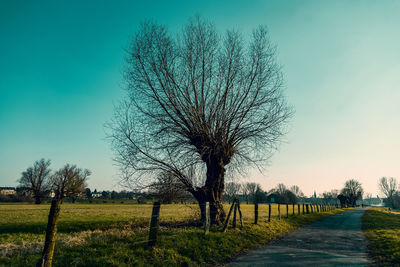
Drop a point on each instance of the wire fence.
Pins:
(151, 222)
(237, 214)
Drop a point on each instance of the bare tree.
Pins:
(200, 100)
(388, 187)
(251, 189)
(334, 194)
(330, 197)
(68, 181)
(283, 195)
(168, 187)
(296, 191)
(35, 179)
(325, 197)
(232, 189)
(245, 192)
(280, 189)
(351, 192)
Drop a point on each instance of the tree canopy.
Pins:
(351, 192)
(196, 103)
(35, 179)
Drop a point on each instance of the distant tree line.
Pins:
(253, 193)
(35, 185)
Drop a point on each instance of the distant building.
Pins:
(6, 191)
(97, 195)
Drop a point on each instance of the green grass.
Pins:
(383, 232)
(116, 234)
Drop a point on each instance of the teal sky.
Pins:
(60, 75)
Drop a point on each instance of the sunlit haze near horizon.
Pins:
(61, 75)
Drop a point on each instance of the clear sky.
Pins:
(60, 75)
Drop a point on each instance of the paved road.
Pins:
(332, 241)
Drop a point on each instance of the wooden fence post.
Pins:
(303, 209)
(255, 213)
(293, 209)
(229, 215)
(311, 207)
(154, 224)
(308, 211)
(207, 218)
(287, 210)
(234, 216)
(279, 211)
(298, 209)
(240, 213)
(317, 208)
(269, 212)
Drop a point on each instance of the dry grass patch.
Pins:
(383, 232)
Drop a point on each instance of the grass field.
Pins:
(383, 232)
(116, 234)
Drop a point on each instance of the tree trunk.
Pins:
(214, 189)
(202, 211)
(200, 196)
(37, 200)
(48, 250)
